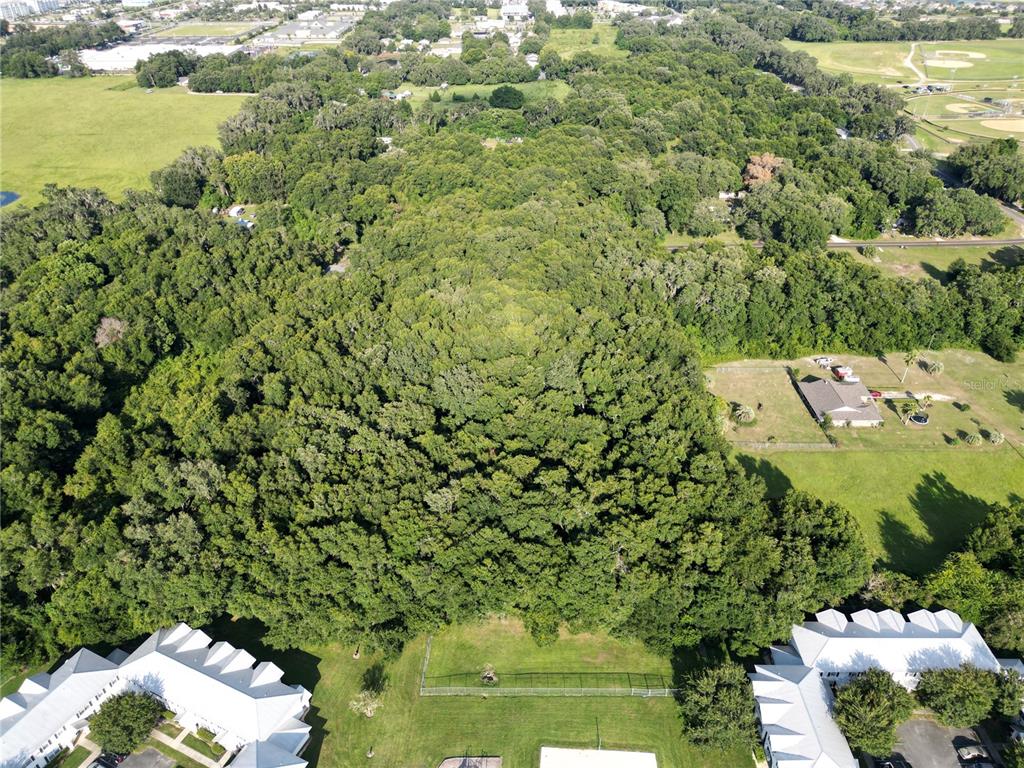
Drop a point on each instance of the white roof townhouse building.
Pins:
(208, 685)
(794, 694)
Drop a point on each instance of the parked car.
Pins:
(972, 753)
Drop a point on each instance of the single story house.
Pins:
(849, 404)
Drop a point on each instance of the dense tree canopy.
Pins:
(445, 374)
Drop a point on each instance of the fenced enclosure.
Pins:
(544, 683)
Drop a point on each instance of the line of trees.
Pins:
(30, 52)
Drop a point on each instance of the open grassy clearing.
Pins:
(914, 492)
(874, 62)
(98, 132)
(971, 59)
(935, 262)
(463, 651)
(913, 507)
(209, 29)
(411, 731)
(960, 103)
(944, 62)
(536, 90)
(568, 42)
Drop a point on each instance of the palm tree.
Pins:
(935, 368)
(742, 414)
(907, 409)
(910, 358)
(926, 402)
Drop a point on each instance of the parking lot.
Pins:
(926, 744)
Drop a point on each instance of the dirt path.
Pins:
(909, 64)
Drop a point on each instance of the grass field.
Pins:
(914, 492)
(411, 731)
(459, 654)
(971, 59)
(98, 132)
(532, 91)
(884, 62)
(568, 42)
(208, 29)
(935, 262)
(71, 759)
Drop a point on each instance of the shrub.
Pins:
(996, 438)
(366, 703)
(973, 439)
(935, 368)
(742, 414)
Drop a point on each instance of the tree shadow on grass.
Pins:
(775, 480)
(1015, 397)
(948, 515)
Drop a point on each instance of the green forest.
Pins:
(441, 377)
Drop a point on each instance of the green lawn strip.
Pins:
(169, 729)
(418, 732)
(914, 507)
(182, 760)
(100, 132)
(204, 747)
(71, 759)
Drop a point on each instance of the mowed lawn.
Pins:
(935, 262)
(568, 42)
(916, 491)
(883, 62)
(410, 731)
(209, 29)
(418, 732)
(536, 90)
(98, 132)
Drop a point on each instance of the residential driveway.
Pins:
(926, 744)
(147, 758)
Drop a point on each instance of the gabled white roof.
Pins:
(887, 640)
(45, 702)
(793, 703)
(214, 682)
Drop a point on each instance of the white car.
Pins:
(973, 752)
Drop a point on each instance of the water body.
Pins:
(6, 198)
